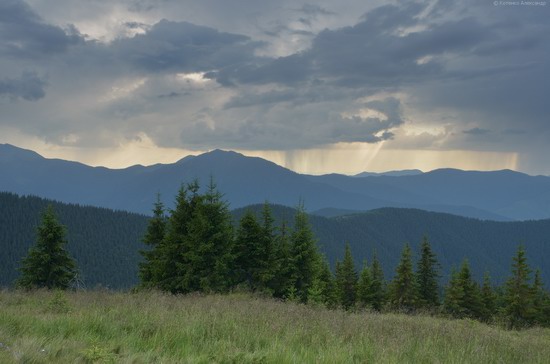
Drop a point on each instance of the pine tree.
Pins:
(519, 295)
(363, 286)
(541, 301)
(249, 261)
(403, 289)
(148, 269)
(268, 254)
(471, 300)
(488, 299)
(377, 290)
(454, 293)
(346, 281)
(427, 276)
(174, 268)
(328, 284)
(210, 242)
(304, 255)
(282, 266)
(48, 264)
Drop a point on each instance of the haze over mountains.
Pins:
(500, 195)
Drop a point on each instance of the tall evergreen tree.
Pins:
(519, 295)
(283, 271)
(403, 288)
(488, 299)
(210, 243)
(174, 268)
(48, 264)
(328, 284)
(427, 275)
(304, 254)
(463, 296)
(541, 301)
(377, 289)
(268, 254)
(363, 285)
(249, 260)
(346, 281)
(452, 300)
(148, 269)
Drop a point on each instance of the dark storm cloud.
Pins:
(24, 34)
(314, 125)
(183, 47)
(28, 87)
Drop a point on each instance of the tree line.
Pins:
(195, 248)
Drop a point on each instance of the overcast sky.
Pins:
(325, 86)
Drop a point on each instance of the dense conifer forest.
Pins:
(201, 246)
(104, 243)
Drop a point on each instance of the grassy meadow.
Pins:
(108, 327)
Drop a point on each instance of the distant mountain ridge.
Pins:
(498, 195)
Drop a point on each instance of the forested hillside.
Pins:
(488, 245)
(105, 243)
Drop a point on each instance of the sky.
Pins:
(326, 86)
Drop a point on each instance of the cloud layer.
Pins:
(279, 75)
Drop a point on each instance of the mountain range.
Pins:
(495, 195)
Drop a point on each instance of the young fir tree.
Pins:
(538, 298)
(210, 243)
(328, 284)
(282, 279)
(463, 296)
(519, 295)
(346, 281)
(377, 288)
(488, 299)
(148, 269)
(304, 255)
(173, 266)
(403, 288)
(452, 300)
(48, 264)
(427, 276)
(248, 252)
(363, 286)
(268, 254)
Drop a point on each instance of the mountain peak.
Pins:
(8, 151)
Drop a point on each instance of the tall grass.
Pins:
(106, 327)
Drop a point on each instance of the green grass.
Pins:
(106, 327)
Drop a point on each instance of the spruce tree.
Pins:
(519, 295)
(377, 290)
(363, 286)
(148, 269)
(471, 299)
(488, 299)
(282, 281)
(427, 275)
(453, 297)
(210, 242)
(328, 284)
(268, 254)
(174, 264)
(304, 255)
(541, 301)
(346, 281)
(48, 264)
(249, 260)
(403, 289)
